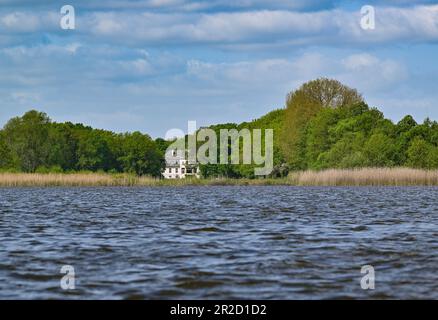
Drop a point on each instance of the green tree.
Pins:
(406, 124)
(379, 151)
(6, 159)
(162, 145)
(141, 155)
(304, 104)
(345, 153)
(422, 154)
(317, 135)
(27, 138)
(63, 146)
(92, 152)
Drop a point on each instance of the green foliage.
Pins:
(54, 169)
(343, 139)
(33, 143)
(324, 125)
(317, 135)
(27, 138)
(337, 133)
(379, 151)
(220, 170)
(344, 153)
(303, 105)
(273, 120)
(162, 145)
(62, 146)
(406, 124)
(140, 155)
(348, 134)
(6, 158)
(422, 154)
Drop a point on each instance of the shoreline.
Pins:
(329, 178)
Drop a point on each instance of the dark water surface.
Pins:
(219, 242)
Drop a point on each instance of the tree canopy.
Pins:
(33, 143)
(302, 105)
(325, 124)
(328, 125)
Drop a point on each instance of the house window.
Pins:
(176, 170)
(170, 170)
(183, 170)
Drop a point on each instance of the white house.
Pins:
(177, 167)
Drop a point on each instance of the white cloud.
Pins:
(138, 90)
(165, 67)
(175, 5)
(418, 24)
(332, 27)
(360, 61)
(27, 21)
(371, 73)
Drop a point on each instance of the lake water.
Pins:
(219, 242)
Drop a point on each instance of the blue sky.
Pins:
(152, 65)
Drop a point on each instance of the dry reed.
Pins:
(367, 177)
(67, 180)
(332, 177)
(107, 180)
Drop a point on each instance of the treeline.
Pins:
(273, 120)
(328, 125)
(325, 125)
(33, 143)
(358, 136)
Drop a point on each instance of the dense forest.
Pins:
(33, 143)
(324, 125)
(327, 125)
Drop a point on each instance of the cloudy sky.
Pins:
(152, 65)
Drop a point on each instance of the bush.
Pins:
(45, 170)
(422, 155)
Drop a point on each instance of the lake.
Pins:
(219, 242)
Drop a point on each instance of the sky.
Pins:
(153, 65)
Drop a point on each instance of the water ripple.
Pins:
(219, 242)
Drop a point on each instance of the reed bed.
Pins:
(65, 180)
(367, 177)
(332, 177)
(12, 180)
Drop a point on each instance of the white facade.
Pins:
(177, 166)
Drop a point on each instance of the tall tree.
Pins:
(302, 105)
(93, 152)
(422, 154)
(140, 155)
(27, 137)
